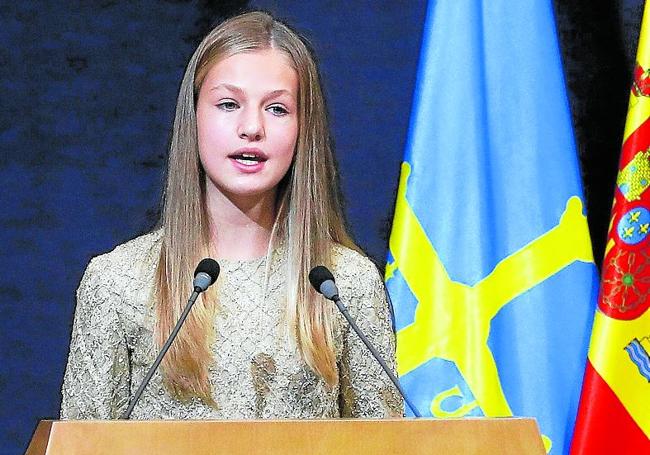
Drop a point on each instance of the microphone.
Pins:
(206, 273)
(323, 281)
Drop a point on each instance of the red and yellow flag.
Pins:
(614, 412)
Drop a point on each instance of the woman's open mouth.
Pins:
(248, 160)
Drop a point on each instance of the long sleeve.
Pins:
(96, 381)
(365, 389)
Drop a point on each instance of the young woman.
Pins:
(251, 182)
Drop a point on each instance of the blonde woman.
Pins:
(251, 182)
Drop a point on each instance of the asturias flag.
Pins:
(614, 412)
(490, 266)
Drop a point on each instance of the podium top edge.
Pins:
(239, 421)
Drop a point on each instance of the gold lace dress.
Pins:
(257, 371)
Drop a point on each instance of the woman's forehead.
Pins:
(268, 69)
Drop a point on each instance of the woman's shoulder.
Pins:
(354, 269)
(130, 259)
(360, 284)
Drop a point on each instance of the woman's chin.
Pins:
(247, 191)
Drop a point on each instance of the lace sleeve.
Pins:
(96, 381)
(365, 389)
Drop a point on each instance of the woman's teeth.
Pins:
(247, 160)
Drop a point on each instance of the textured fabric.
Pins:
(257, 370)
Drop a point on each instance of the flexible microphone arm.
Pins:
(323, 281)
(206, 273)
(375, 354)
(126, 414)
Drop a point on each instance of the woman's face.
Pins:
(247, 120)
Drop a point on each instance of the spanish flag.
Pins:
(614, 412)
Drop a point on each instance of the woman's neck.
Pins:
(240, 226)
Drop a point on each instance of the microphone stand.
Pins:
(127, 414)
(374, 352)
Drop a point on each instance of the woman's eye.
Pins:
(227, 105)
(278, 110)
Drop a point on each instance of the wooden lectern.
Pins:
(328, 437)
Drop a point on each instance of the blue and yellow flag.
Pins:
(490, 267)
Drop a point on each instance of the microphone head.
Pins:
(318, 275)
(205, 274)
(323, 281)
(209, 266)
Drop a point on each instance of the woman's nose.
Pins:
(251, 126)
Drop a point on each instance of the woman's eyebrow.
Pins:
(278, 92)
(232, 88)
(239, 91)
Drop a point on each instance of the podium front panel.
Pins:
(327, 437)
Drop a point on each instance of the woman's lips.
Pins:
(248, 160)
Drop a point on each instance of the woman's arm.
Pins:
(97, 377)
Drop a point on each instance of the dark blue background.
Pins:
(87, 94)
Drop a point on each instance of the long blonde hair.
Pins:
(309, 215)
